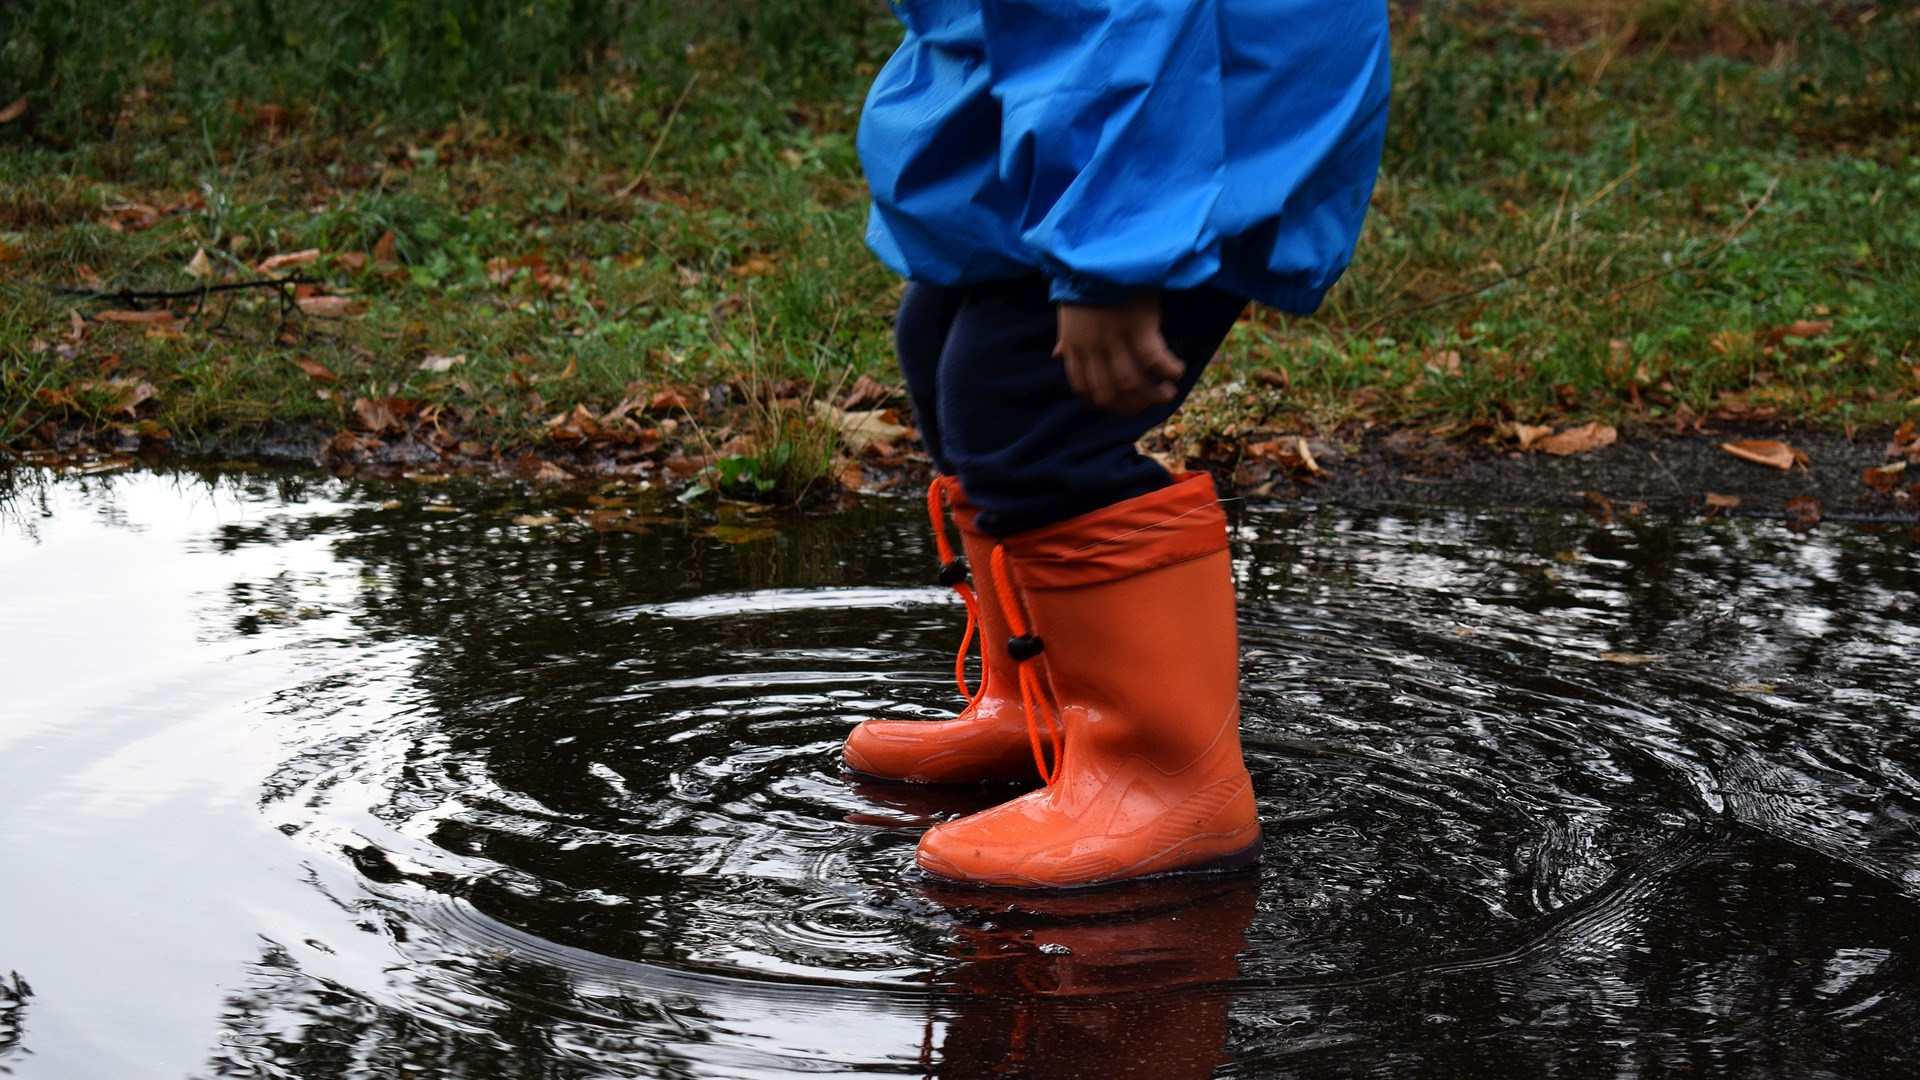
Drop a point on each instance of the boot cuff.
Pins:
(1175, 524)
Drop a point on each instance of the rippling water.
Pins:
(301, 778)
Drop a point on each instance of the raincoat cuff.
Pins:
(1070, 288)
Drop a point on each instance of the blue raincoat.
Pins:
(1115, 145)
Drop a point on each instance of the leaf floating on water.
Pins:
(1632, 657)
(536, 519)
(1767, 452)
(1803, 513)
(1885, 478)
(392, 504)
(737, 534)
(1580, 440)
(440, 508)
(1752, 688)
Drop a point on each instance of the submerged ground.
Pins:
(327, 779)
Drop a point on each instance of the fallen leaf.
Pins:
(135, 316)
(383, 249)
(200, 266)
(1631, 657)
(861, 429)
(1767, 452)
(1807, 328)
(1306, 456)
(383, 415)
(535, 519)
(273, 264)
(667, 400)
(392, 504)
(315, 368)
(1579, 440)
(867, 392)
(550, 473)
(1717, 503)
(1752, 688)
(1803, 513)
(15, 109)
(352, 260)
(1528, 434)
(326, 307)
(1885, 478)
(737, 534)
(1599, 506)
(442, 363)
(440, 508)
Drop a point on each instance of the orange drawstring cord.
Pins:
(1023, 646)
(953, 575)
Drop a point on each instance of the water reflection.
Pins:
(407, 787)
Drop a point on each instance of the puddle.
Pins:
(303, 778)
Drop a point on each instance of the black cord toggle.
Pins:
(953, 573)
(1025, 647)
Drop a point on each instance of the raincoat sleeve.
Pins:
(1112, 119)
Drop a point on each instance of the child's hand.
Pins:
(1115, 355)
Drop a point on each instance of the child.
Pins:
(1084, 195)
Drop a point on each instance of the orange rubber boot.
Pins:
(1133, 608)
(987, 742)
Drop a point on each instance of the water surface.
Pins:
(308, 778)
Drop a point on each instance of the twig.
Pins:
(674, 114)
(1731, 235)
(1476, 290)
(137, 295)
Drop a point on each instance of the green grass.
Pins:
(1588, 211)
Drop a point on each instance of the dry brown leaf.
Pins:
(200, 266)
(1885, 478)
(535, 519)
(1807, 328)
(383, 249)
(15, 109)
(1579, 440)
(862, 429)
(136, 316)
(1722, 502)
(273, 264)
(1767, 452)
(868, 392)
(1632, 657)
(1804, 512)
(669, 400)
(327, 307)
(442, 363)
(314, 368)
(550, 473)
(1528, 434)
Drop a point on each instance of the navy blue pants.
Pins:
(994, 406)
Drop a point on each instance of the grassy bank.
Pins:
(631, 233)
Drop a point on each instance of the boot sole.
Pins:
(1230, 863)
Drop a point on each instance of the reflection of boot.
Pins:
(988, 740)
(1133, 608)
(1106, 984)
